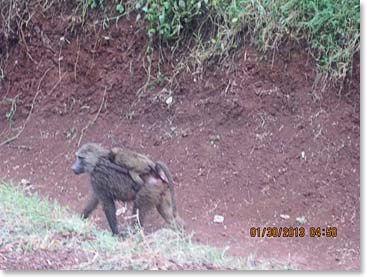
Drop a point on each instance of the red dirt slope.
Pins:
(250, 141)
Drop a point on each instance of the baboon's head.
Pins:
(87, 157)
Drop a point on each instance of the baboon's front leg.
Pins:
(109, 208)
(91, 206)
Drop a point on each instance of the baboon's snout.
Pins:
(76, 168)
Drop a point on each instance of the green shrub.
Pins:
(330, 29)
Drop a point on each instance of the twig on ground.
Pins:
(215, 206)
(22, 36)
(24, 147)
(90, 123)
(31, 110)
(77, 58)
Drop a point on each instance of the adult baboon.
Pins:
(112, 182)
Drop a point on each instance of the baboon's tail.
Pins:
(166, 176)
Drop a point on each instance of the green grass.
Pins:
(329, 30)
(29, 223)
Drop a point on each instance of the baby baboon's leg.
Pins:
(136, 178)
(90, 207)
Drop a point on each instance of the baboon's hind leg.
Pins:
(166, 211)
(141, 208)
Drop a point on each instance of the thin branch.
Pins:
(24, 147)
(31, 110)
(90, 123)
(77, 58)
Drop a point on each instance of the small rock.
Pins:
(301, 219)
(169, 100)
(303, 155)
(25, 182)
(184, 134)
(218, 218)
(284, 216)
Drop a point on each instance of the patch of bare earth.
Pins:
(250, 141)
(41, 259)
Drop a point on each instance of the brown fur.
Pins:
(111, 182)
(140, 165)
(136, 163)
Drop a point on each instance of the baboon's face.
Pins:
(87, 157)
(79, 165)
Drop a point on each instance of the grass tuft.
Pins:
(30, 225)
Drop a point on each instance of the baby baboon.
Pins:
(112, 182)
(140, 165)
(136, 163)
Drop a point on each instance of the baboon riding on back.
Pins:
(112, 178)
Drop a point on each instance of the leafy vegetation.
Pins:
(329, 29)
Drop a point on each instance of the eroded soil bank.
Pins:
(249, 140)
